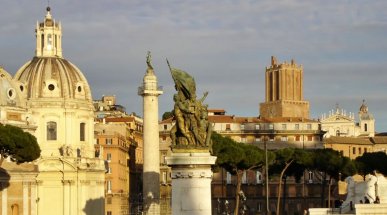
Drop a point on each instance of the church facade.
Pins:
(51, 98)
(340, 123)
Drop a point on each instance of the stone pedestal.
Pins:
(191, 183)
(370, 209)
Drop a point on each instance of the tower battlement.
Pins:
(284, 91)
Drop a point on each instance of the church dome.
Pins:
(10, 93)
(53, 77)
(48, 75)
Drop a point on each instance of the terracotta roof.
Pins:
(287, 119)
(379, 140)
(169, 120)
(348, 140)
(221, 119)
(118, 119)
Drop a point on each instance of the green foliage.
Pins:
(369, 162)
(234, 156)
(348, 167)
(301, 159)
(332, 163)
(20, 146)
(167, 115)
(237, 157)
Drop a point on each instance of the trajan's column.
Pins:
(151, 169)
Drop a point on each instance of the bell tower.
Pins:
(366, 121)
(48, 37)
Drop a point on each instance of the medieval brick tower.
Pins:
(284, 91)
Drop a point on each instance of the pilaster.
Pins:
(25, 198)
(33, 199)
(4, 201)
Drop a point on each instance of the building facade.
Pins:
(354, 147)
(340, 123)
(58, 110)
(115, 151)
(119, 140)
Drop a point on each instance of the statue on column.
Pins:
(192, 129)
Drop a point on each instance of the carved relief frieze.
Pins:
(191, 174)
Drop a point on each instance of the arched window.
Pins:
(49, 41)
(51, 130)
(310, 177)
(365, 127)
(15, 209)
(82, 127)
(337, 133)
(258, 177)
(42, 41)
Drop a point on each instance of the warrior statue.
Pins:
(192, 129)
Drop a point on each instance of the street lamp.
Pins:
(266, 176)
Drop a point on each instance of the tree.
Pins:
(167, 115)
(237, 158)
(289, 162)
(20, 146)
(369, 162)
(331, 163)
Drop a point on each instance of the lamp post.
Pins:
(303, 184)
(266, 177)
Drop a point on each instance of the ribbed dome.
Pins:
(53, 77)
(10, 92)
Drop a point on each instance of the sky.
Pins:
(224, 44)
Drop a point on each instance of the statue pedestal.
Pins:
(367, 209)
(191, 183)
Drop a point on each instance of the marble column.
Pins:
(151, 167)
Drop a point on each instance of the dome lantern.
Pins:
(48, 37)
(48, 75)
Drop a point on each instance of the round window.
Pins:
(79, 88)
(21, 88)
(51, 87)
(11, 93)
